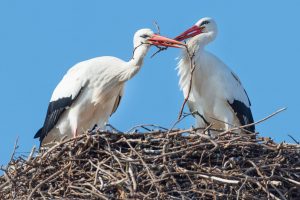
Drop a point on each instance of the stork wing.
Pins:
(117, 102)
(64, 95)
(240, 103)
(243, 113)
(55, 110)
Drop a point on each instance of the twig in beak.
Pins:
(159, 50)
(192, 69)
(157, 27)
(136, 49)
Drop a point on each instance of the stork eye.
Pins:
(144, 36)
(204, 22)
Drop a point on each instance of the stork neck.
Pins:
(139, 53)
(199, 42)
(136, 62)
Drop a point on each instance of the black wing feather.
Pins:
(243, 113)
(54, 112)
(117, 103)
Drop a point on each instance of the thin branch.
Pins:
(134, 128)
(297, 142)
(135, 48)
(113, 128)
(157, 27)
(247, 125)
(192, 69)
(158, 51)
(180, 119)
(14, 150)
(46, 180)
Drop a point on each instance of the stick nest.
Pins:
(177, 164)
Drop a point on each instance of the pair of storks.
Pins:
(91, 91)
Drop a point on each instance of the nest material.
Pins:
(157, 165)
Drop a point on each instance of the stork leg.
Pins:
(75, 133)
(201, 121)
(204, 121)
(227, 123)
(224, 115)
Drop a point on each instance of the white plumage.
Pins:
(216, 92)
(91, 90)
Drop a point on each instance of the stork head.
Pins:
(204, 30)
(147, 37)
(142, 41)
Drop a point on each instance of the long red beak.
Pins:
(191, 32)
(159, 40)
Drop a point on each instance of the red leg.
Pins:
(75, 133)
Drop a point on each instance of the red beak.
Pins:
(191, 32)
(164, 41)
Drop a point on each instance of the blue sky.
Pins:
(40, 40)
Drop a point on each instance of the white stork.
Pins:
(216, 93)
(90, 91)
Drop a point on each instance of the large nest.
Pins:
(177, 164)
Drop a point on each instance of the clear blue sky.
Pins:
(40, 40)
